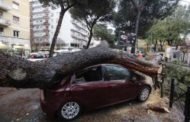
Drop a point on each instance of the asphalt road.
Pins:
(20, 105)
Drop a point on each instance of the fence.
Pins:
(184, 95)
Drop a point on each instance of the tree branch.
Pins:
(134, 4)
(87, 23)
(70, 6)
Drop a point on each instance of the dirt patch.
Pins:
(136, 112)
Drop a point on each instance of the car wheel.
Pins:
(144, 94)
(69, 111)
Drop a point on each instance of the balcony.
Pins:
(39, 34)
(4, 6)
(4, 22)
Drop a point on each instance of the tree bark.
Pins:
(161, 45)
(139, 8)
(147, 47)
(54, 40)
(183, 58)
(137, 29)
(89, 38)
(20, 73)
(155, 46)
(90, 27)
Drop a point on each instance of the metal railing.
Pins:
(184, 96)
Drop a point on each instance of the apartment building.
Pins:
(73, 33)
(15, 25)
(42, 27)
(76, 33)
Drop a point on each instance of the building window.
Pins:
(16, 33)
(16, 19)
(15, 5)
(1, 31)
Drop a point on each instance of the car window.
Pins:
(112, 72)
(89, 75)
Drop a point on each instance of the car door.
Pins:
(121, 88)
(89, 88)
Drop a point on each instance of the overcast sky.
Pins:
(185, 2)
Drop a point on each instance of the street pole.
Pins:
(161, 87)
(136, 40)
(172, 89)
(187, 106)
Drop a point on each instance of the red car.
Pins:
(94, 87)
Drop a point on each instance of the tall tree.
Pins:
(92, 12)
(65, 5)
(138, 15)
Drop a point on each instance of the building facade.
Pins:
(73, 33)
(42, 25)
(15, 25)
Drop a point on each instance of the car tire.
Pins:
(144, 94)
(69, 111)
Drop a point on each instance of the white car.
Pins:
(66, 50)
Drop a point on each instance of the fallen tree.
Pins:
(20, 73)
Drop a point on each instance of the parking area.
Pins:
(23, 106)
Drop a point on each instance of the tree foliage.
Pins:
(101, 32)
(92, 12)
(178, 72)
(125, 18)
(137, 16)
(169, 29)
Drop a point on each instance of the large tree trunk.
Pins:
(54, 40)
(20, 73)
(183, 58)
(155, 46)
(137, 26)
(161, 45)
(136, 31)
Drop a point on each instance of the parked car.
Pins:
(67, 50)
(37, 56)
(94, 87)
